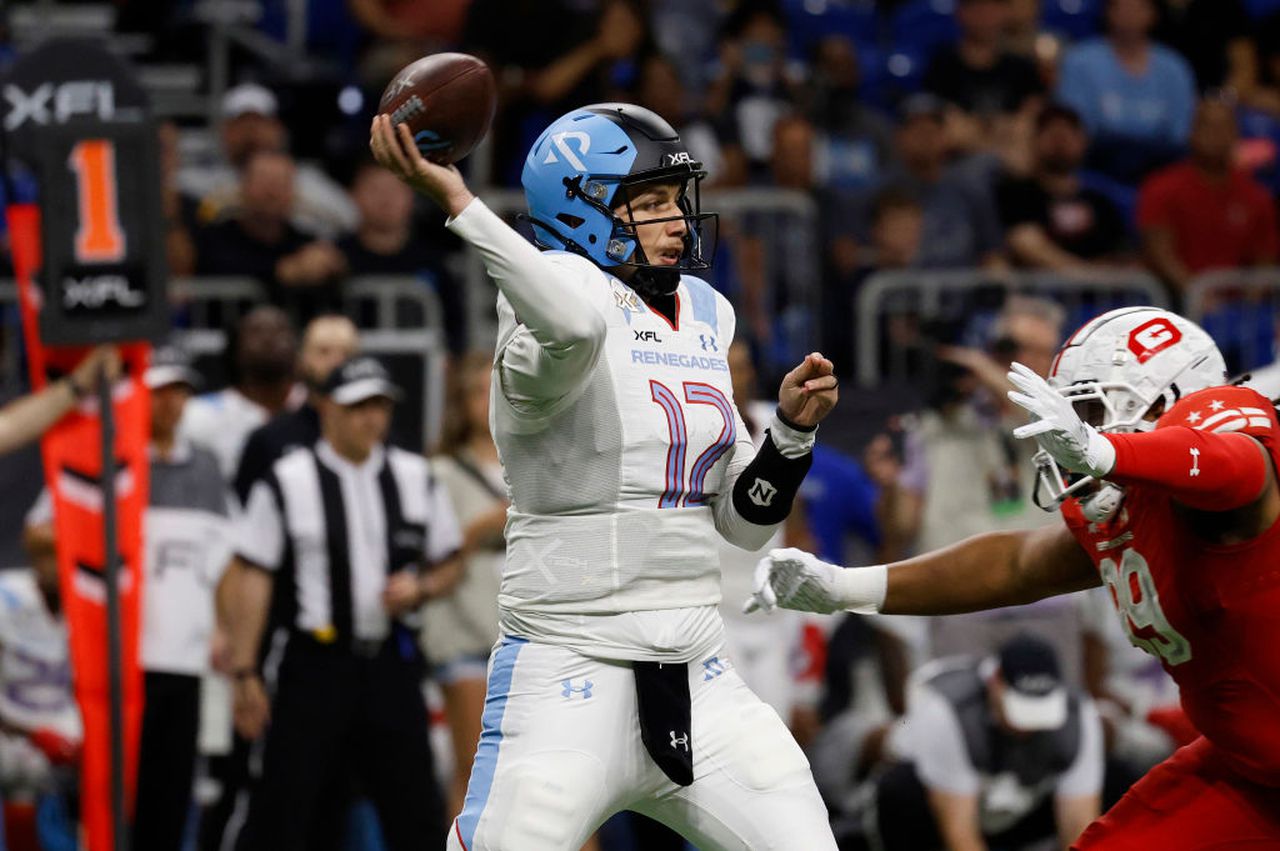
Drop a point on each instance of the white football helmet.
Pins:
(1120, 371)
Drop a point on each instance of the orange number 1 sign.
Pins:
(99, 237)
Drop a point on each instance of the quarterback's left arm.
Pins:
(762, 485)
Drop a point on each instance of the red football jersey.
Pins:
(1210, 613)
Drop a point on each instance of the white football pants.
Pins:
(560, 752)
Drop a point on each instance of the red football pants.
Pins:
(1188, 802)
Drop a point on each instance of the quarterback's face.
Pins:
(662, 242)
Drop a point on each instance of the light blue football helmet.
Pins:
(574, 173)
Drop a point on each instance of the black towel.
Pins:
(662, 696)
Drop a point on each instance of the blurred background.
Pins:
(924, 190)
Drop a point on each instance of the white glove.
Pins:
(794, 579)
(1056, 426)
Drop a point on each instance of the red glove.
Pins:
(57, 748)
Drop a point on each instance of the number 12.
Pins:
(695, 393)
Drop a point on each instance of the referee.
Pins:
(370, 537)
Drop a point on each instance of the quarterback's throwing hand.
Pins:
(1057, 427)
(808, 392)
(394, 149)
(794, 579)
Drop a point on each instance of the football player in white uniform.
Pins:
(613, 412)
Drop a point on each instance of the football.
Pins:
(447, 100)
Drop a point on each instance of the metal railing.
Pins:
(918, 301)
(402, 317)
(1238, 307)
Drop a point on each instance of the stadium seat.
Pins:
(919, 27)
(1073, 19)
(810, 20)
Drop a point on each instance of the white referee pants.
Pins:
(560, 752)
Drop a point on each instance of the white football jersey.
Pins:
(621, 445)
(612, 485)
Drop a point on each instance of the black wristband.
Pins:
(765, 490)
(782, 418)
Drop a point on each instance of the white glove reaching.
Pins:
(794, 579)
(1056, 426)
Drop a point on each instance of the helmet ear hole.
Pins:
(571, 220)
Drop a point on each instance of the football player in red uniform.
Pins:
(1166, 478)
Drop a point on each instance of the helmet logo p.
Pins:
(560, 140)
(1150, 338)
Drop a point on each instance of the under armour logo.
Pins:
(762, 493)
(570, 690)
(680, 741)
(1195, 463)
(712, 668)
(709, 343)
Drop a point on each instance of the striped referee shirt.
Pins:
(318, 510)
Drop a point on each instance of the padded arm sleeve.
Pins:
(1202, 470)
(760, 496)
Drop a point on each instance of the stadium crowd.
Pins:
(1078, 138)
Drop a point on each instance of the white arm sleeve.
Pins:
(1084, 777)
(561, 333)
(259, 531)
(937, 745)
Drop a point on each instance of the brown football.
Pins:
(447, 99)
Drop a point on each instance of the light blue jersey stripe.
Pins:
(482, 770)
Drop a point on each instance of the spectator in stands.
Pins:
(961, 228)
(548, 57)
(1204, 213)
(978, 75)
(1136, 97)
(404, 32)
(1051, 220)
(263, 350)
(327, 341)
(461, 627)
(250, 124)
(753, 87)
(384, 244)
(1212, 34)
(26, 418)
(259, 240)
(768, 243)
(856, 142)
(1255, 67)
(897, 232)
(996, 751)
(659, 88)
